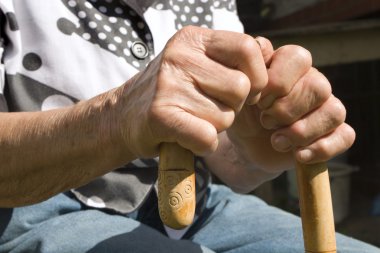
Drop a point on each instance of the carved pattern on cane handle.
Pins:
(176, 186)
(188, 189)
(176, 195)
(175, 200)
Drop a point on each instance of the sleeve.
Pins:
(225, 16)
(3, 104)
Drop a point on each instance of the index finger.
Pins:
(238, 51)
(288, 64)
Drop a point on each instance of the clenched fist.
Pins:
(297, 117)
(264, 107)
(191, 92)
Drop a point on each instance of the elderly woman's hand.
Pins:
(296, 114)
(191, 92)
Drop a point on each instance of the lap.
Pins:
(61, 225)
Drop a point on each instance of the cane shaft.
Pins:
(316, 208)
(176, 186)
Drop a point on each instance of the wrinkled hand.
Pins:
(191, 91)
(297, 113)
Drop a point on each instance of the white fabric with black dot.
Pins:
(113, 26)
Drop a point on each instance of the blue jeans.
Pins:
(230, 223)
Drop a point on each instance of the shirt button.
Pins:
(139, 49)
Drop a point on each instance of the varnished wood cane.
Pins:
(176, 197)
(316, 208)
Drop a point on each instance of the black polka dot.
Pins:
(31, 61)
(11, 17)
(66, 26)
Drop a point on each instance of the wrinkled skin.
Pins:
(248, 109)
(273, 105)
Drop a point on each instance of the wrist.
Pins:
(102, 118)
(236, 170)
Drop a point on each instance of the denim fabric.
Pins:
(237, 223)
(230, 223)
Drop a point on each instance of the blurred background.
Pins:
(344, 38)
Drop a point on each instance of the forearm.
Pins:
(231, 166)
(44, 153)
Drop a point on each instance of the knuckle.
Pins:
(169, 57)
(350, 135)
(225, 121)
(241, 87)
(337, 110)
(188, 29)
(207, 140)
(183, 38)
(319, 83)
(300, 131)
(301, 55)
(184, 33)
(248, 45)
(324, 148)
(297, 55)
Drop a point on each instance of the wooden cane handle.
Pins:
(316, 208)
(176, 186)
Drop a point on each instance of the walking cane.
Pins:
(176, 197)
(316, 208)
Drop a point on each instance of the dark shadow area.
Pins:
(144, 240)
(357, 85)
(5, 217)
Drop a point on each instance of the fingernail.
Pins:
(282, 143)
(269, 122)
(266, 102)
(305, 155)
(258, 42)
